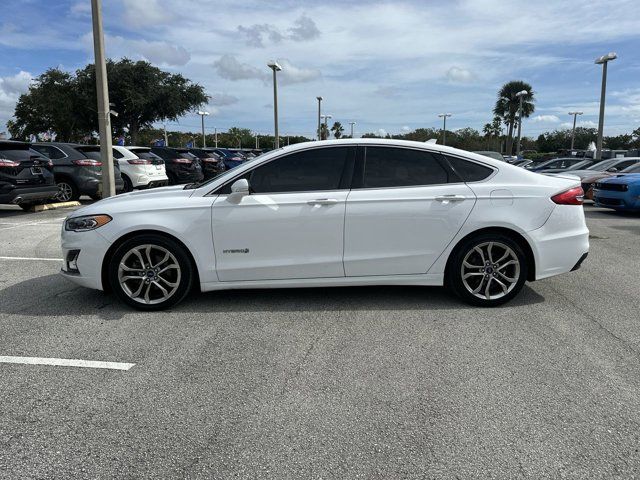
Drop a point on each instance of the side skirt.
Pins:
(424, 280)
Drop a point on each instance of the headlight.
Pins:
(86, 223)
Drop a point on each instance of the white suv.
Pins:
(140, 168)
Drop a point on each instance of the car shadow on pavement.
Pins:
(59, 297)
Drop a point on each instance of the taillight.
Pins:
(87, 163)
(573, 196)
(6, 163)
(139, 161)
(181, 160)
(50, 163)
(210, 160)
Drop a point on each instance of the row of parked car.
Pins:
(32, 173)
(611, 183)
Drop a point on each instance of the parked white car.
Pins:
(140, 168)
(334, 213)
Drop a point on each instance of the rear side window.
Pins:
(117, 154)
(469, 171)
(387, 167)
(49, 151)
(311, 170)
(16, 155)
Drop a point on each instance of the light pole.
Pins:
(204, 139)
(326, 118)
(520, 95)
(444, 126)
(215, 136)
(276, 68)
(257, 142)
(319, 112)
(104, 112)
(352, 124)
(603, 60)
(573, 131)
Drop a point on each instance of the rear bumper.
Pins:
(28, 194)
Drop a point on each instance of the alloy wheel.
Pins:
(65, 192)
(149, 274)
(490, 270)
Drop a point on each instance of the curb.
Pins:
(53, 206)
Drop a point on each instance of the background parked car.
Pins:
(77, 169)
(231, 159)
(589, 182)
(181, 166)
(558, 165)
(613, 165)
(26, 177)
(139, 172)
(621, 193)
(212, 163)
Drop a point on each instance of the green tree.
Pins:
(324, 131)
(337, 129)
(507, 105)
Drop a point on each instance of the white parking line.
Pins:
(50, 221)
(39, 259)
(65, 362)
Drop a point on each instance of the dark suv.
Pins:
(26, 177)
(212, 163)
(77, 169)
(181, 166)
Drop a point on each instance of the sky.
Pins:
(388, 66)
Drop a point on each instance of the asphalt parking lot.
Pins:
(322, 383)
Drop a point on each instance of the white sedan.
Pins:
(334, 213)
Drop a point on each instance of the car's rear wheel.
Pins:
(151, 272)
(128, 186)
(487, 270)
(67, 190)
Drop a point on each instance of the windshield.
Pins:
(93, 154)
(603, 165)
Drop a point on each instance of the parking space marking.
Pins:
(66, 362)
(50, 221)
(33, 258)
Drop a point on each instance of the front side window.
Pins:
(387, 167)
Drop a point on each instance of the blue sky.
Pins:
(389, 66)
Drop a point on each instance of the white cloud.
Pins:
(222, 99)
(381, 132)
(155, 51)
(145, 13)
(230, 68)
(292, 74)
(11, 87)
(256, 34)
(81, 9)
(304, 29)
(459, 75)
(546, 119)
(585, 124)
(405, 129)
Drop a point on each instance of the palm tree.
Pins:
(337, 129)
(324, 131)
(508, 103)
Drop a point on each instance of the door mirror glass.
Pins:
(240, 187)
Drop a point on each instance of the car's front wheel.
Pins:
(67, 191)
(487, 270)
(151, 272)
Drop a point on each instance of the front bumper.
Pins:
(628, 200)
(92, 247)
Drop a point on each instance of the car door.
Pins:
(291, 225)
(405, 208)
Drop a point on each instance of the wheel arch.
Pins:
(514, 235)
(114, 246)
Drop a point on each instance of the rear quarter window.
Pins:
(469, 171)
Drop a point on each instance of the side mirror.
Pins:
(612, 169)
(240, 187)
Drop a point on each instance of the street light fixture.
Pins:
(444, 126)
(573, 131)
(204, 139)
(319, 112)
(352, 124)
(520, 95)
(603, 60)
(276, 68)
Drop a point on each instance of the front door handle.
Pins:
(323, 201)
(450, 198)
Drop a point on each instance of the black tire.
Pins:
(483, 274)
(95, 197)
(67, 190)
(128, 186)
(172, 179)
(26, 206)
(184, 282)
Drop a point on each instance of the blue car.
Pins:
(620, 192)
(231, 159)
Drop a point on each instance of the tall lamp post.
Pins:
(352, 124)
(319, 112)
(444, 126)
(104, 112)
(204, 138)
(520, 95)
(573, 130)
(603, 60)
(276, 68)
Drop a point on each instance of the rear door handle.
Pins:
(323, 201)
(450, 198)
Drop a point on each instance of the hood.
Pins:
(625, 179)
(138, 200)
